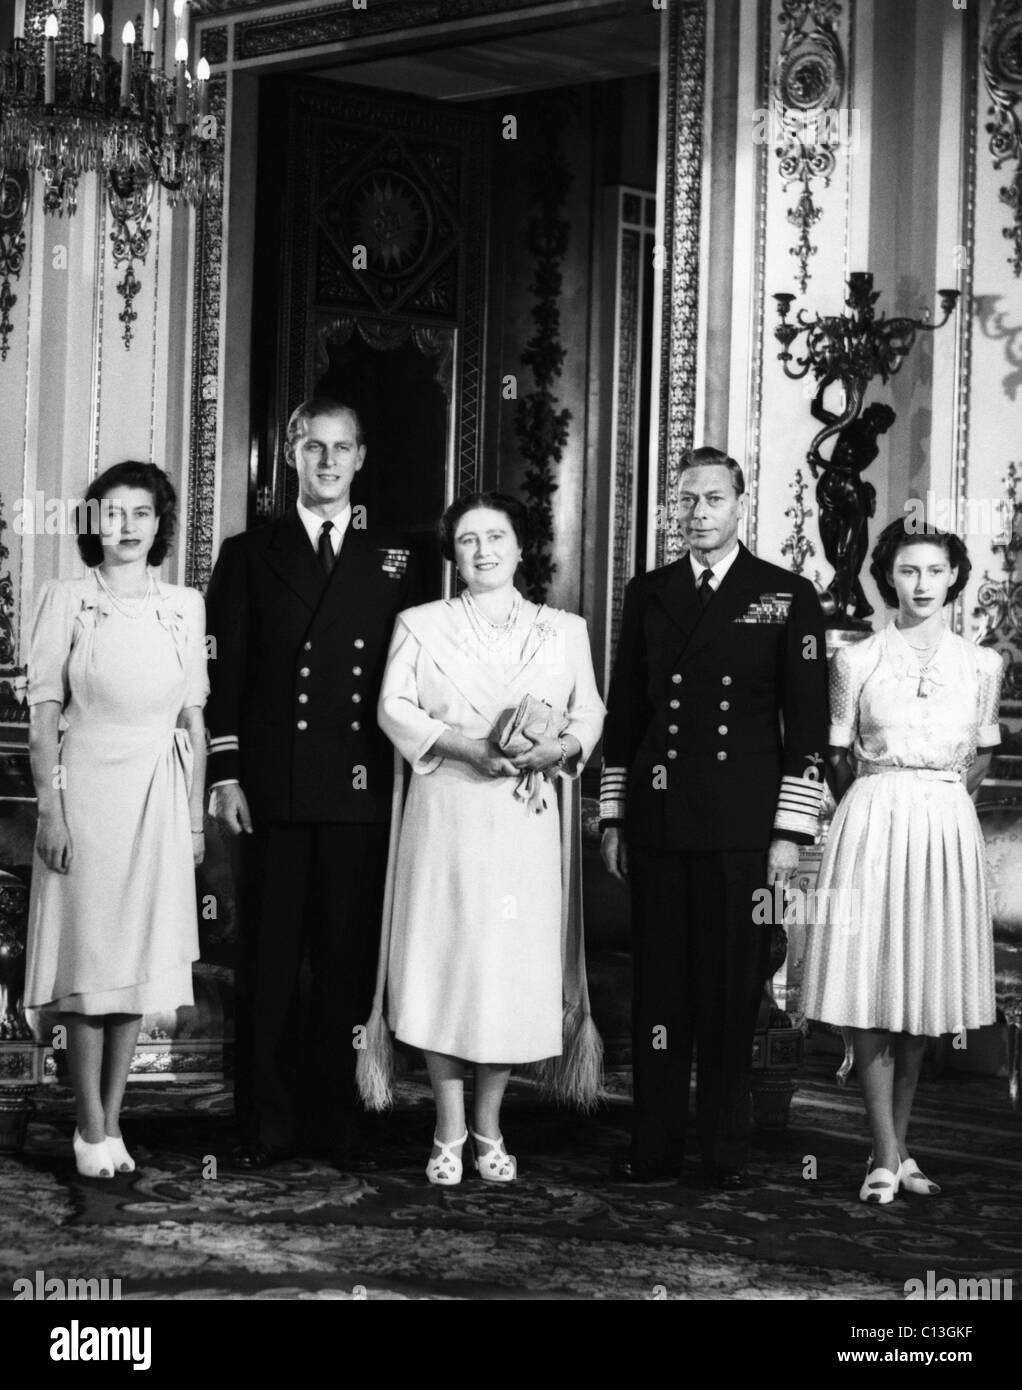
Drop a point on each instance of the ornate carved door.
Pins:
(372, 245)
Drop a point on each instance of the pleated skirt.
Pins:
(902, 937)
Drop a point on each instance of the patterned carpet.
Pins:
(185, 1227)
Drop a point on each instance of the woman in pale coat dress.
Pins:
(118, 661)
(474, 965)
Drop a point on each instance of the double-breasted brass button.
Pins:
(721, 728)
(305, 672)
(356, 670)
(301, 724)
(722, 756)
(675, 704)
(725, 704)
(307, 647)
(359, 643)
(355, 726)
(725, 680)
(672, 752)
(672, 728)
(676, 679)
(303, 699)
(356, 699)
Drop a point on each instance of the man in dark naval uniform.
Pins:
(301, 611)
(713, 758)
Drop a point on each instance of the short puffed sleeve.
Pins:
(845, 686)
(50, 645)
(988, 697)
(197, 677)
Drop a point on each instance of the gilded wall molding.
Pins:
(315, 27)
(13, 210)
(1002, 71)
(206, 378)
(965, 255)
(754, 425)
(686, 76)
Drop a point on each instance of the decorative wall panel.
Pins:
(680, 321)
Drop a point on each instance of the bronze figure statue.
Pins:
(846, 500)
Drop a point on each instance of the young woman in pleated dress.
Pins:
(907, 952)
(118, 663)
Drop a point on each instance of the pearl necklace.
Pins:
(481, 625)
(921, 692)
(129, 607)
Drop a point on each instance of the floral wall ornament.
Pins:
(132, 231)
(541, 428)
(1002, 70)
(808, 81)
(797, 544)
(13, 207)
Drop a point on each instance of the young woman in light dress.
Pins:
(478, 956)
(118, 664)
(907, 953)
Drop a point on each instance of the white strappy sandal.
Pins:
(446, 1168)
(497, 1165)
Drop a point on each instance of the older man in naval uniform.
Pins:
(713, 750)
(302, 611)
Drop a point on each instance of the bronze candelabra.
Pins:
(851, 348)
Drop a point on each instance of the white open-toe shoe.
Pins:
(497, 1165)
(913, 1179)
(880, 1186)
(123, 1161)
(93, 1160)
(445, 1169)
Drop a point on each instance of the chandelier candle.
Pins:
(181, 58)
(88, 11)
(50, 62)
(128, 41)
(147, 27)
(202, 73)
(181, 17)
(19, 19)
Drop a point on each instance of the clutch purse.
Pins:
(515, 730)
(530, 719)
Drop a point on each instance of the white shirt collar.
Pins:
(314, 524)
(718, 570)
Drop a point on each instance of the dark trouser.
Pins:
(319, 886)
(700, 964)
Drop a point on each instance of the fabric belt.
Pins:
(930, 774)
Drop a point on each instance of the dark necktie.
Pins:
(326, 549)
(705, 591)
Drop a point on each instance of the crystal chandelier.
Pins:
(68, 107)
